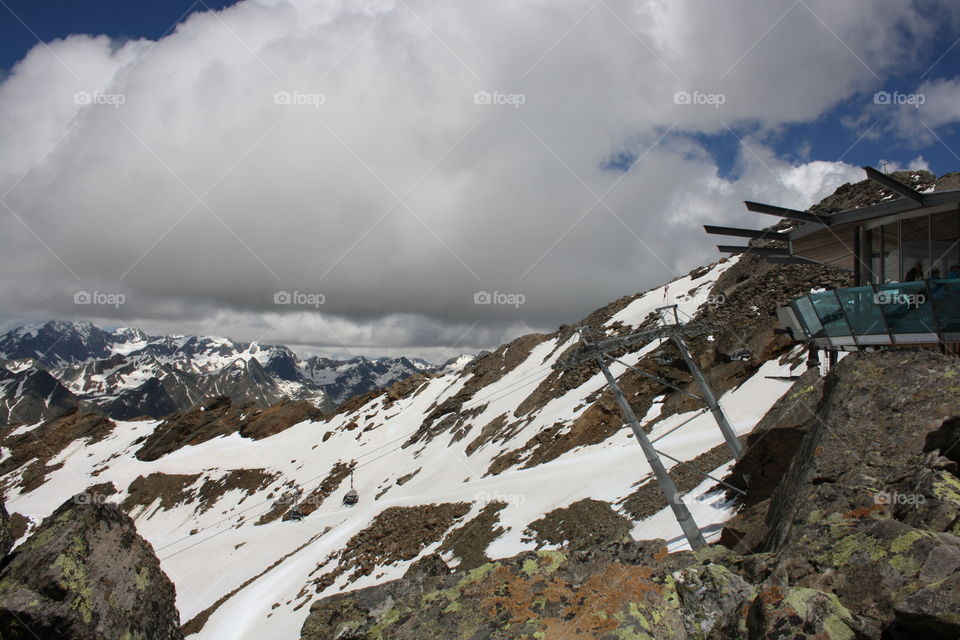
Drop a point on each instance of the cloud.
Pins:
(914, 115)
(398, 158)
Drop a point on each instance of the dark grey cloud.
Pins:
(399, 158)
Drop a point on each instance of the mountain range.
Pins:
(49, 368)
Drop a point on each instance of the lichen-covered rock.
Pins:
(711, 598)
(931, 612)
(796, 612)
(535, 595)
(85, 574)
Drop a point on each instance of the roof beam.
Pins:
(792, 214)
(758, 234)
(769, 251)
(894, 185)
(791, 260)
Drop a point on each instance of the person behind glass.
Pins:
(916, 273)
(953, 273)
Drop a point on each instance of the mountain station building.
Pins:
(904, 254)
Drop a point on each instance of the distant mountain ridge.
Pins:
(126, 373)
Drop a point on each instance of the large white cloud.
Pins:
(389, 189)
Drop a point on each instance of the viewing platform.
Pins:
(901, 313)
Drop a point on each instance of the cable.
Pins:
(302, 485)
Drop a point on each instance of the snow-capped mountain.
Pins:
(127, 373)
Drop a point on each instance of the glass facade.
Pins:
(924, 311)
(918, 248)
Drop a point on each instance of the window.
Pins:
(945, 244)
(915, 248)
(891, 252)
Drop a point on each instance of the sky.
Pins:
(392, 177)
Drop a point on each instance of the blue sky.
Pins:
(23, 22)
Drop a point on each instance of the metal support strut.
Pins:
(687, 523)
(710, 400)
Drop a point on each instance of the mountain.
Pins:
(504, 496)
(31, 394)
(57, 343)
(343, 378)
(127, 374)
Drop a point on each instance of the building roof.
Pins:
(829, 239)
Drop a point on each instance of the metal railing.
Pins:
(921, 312)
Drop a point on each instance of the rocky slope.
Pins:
(863, 550)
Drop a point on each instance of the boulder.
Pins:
(85, 574)
(797, 612)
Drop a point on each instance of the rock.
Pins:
(6, 533)
(931, 612)
(85, 574)
(797, 612)
(870, 433)
(429, 566)
(711, 598)
(948, 182)
(534, 595)
(585, 524)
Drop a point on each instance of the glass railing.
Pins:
(896, 313)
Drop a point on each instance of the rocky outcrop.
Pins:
(219, 416)
(85, 574)
(33, 450)
(866, 192)
(7, 537)
(851, 517)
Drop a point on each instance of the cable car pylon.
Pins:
(596, 350)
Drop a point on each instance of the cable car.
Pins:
(351, 497)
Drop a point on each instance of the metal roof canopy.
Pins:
(829, 239)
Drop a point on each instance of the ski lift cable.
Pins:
(400, 447)
(696, 415)
(476, 401)
(703, 473)
(301, 485)
(735, 335)
(650, 375)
